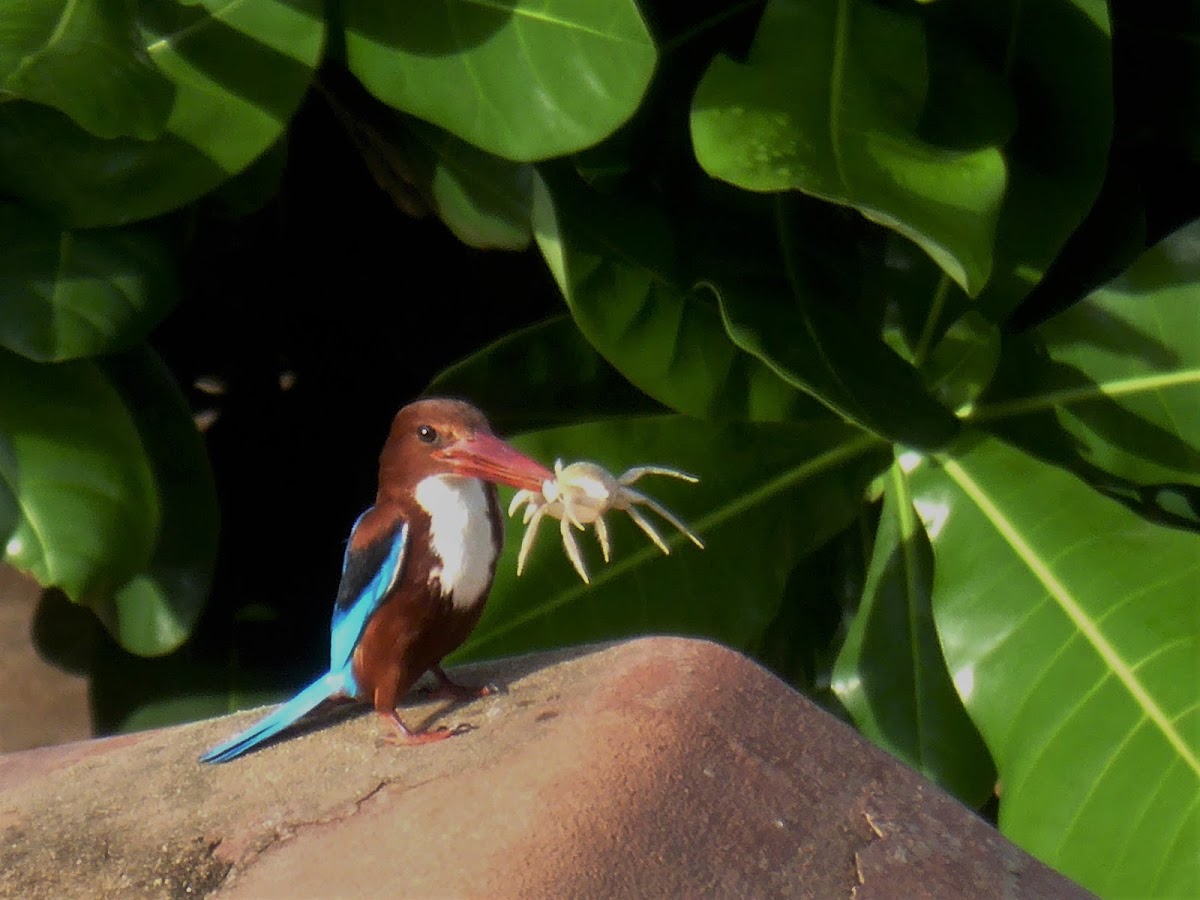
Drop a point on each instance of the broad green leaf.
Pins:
(1059, 153)
(84, 181)
(483, 199)
(73, 464)
(891, 674)
(810, 341)
(1072, 630)
(68, 294)
(238, 71)
(526, 79)
(829, 103)
(542, 376)
(155, 611)
(1123, 369)
(84, 58)
(768, 494)
(617, 264)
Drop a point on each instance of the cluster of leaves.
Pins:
(877, 271)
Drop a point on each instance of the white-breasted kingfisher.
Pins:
(417, 570)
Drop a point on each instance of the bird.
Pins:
(417, 568)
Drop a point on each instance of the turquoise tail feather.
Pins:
(323, 688)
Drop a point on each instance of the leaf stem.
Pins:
(931, 321)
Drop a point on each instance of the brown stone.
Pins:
(40, 703)
(657, 767)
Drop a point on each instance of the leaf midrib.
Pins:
(1042, 571)
(1117, 387)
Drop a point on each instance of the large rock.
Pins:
(40, 703)
(657, 767)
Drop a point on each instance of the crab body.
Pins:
(580, 494)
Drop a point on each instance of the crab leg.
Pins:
(636, 497)
(637, 472)
(602, 537)
(522, 496)
(644, 524)
(572, 548)
(530, 530)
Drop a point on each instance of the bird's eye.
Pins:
(427, 434)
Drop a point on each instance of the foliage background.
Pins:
(913, 286)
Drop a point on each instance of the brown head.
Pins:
(440, 436)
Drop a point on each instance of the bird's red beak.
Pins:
(485, 456)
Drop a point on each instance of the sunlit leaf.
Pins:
(891, 674)
(73, 465)
(1123, 369)
(238, 71)
(1071, 628)
(829, 103)
(526, 80)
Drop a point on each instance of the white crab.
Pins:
(581, 494)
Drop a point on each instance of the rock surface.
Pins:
(40, 703)
(657, 767)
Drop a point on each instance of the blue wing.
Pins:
(367, 576)
(368, 573)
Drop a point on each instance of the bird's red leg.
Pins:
(385, 705)
(405, 737)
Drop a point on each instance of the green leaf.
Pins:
(69, 294)
(1071, 628)
(617, 264)
(83, 58)
(155, 611)
(542, 376)
(524, 80)
(962, 364)
(238, 71)
(768, 494)
(1124, 369)
(82, 511)
(891, 674)
(812, 344)
(829, 103)
(482, 198)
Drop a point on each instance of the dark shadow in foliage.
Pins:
(1040, 432)
(244, 66)
(564, 380)
(427, 29)
(65, 633)
(802, 641)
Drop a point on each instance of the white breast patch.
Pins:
(460, 530)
